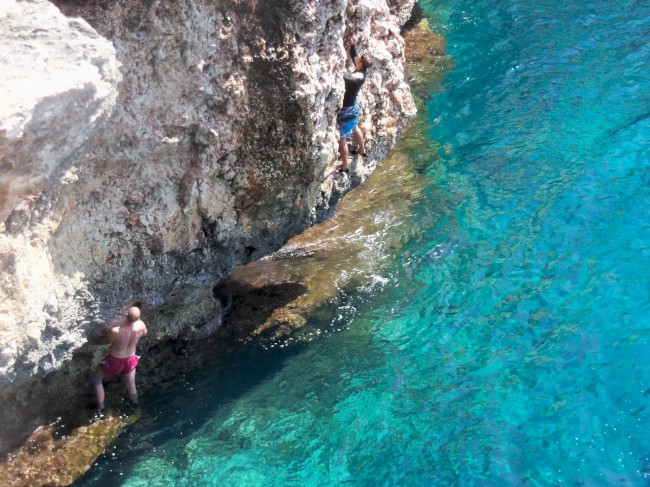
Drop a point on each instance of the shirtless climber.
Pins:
(121, 359)
(348, 116)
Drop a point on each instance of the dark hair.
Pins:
(366, 61)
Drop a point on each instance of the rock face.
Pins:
(148, 147)
(59, 80)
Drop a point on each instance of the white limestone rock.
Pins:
(59, 77)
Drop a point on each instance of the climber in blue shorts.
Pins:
(348, 116)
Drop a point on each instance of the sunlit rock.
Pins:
(59, 79)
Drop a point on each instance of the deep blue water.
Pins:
(510, 343)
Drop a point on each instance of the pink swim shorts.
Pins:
(112, 366)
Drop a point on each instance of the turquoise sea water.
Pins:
(509, 341)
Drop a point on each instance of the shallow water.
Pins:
(505, 342)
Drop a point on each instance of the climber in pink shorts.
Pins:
(121, 359)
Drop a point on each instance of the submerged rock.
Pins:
(54, 458)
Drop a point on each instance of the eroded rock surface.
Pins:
(184, 138)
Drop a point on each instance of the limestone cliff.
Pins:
(148, 147)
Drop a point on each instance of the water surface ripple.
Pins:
(509, 345)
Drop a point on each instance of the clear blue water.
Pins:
(510, 345)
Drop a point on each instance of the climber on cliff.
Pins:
(348, 116)
(121, 358)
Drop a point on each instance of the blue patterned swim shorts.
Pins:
(347, 119)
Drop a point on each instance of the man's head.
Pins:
(133, 315)
(364, 63)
